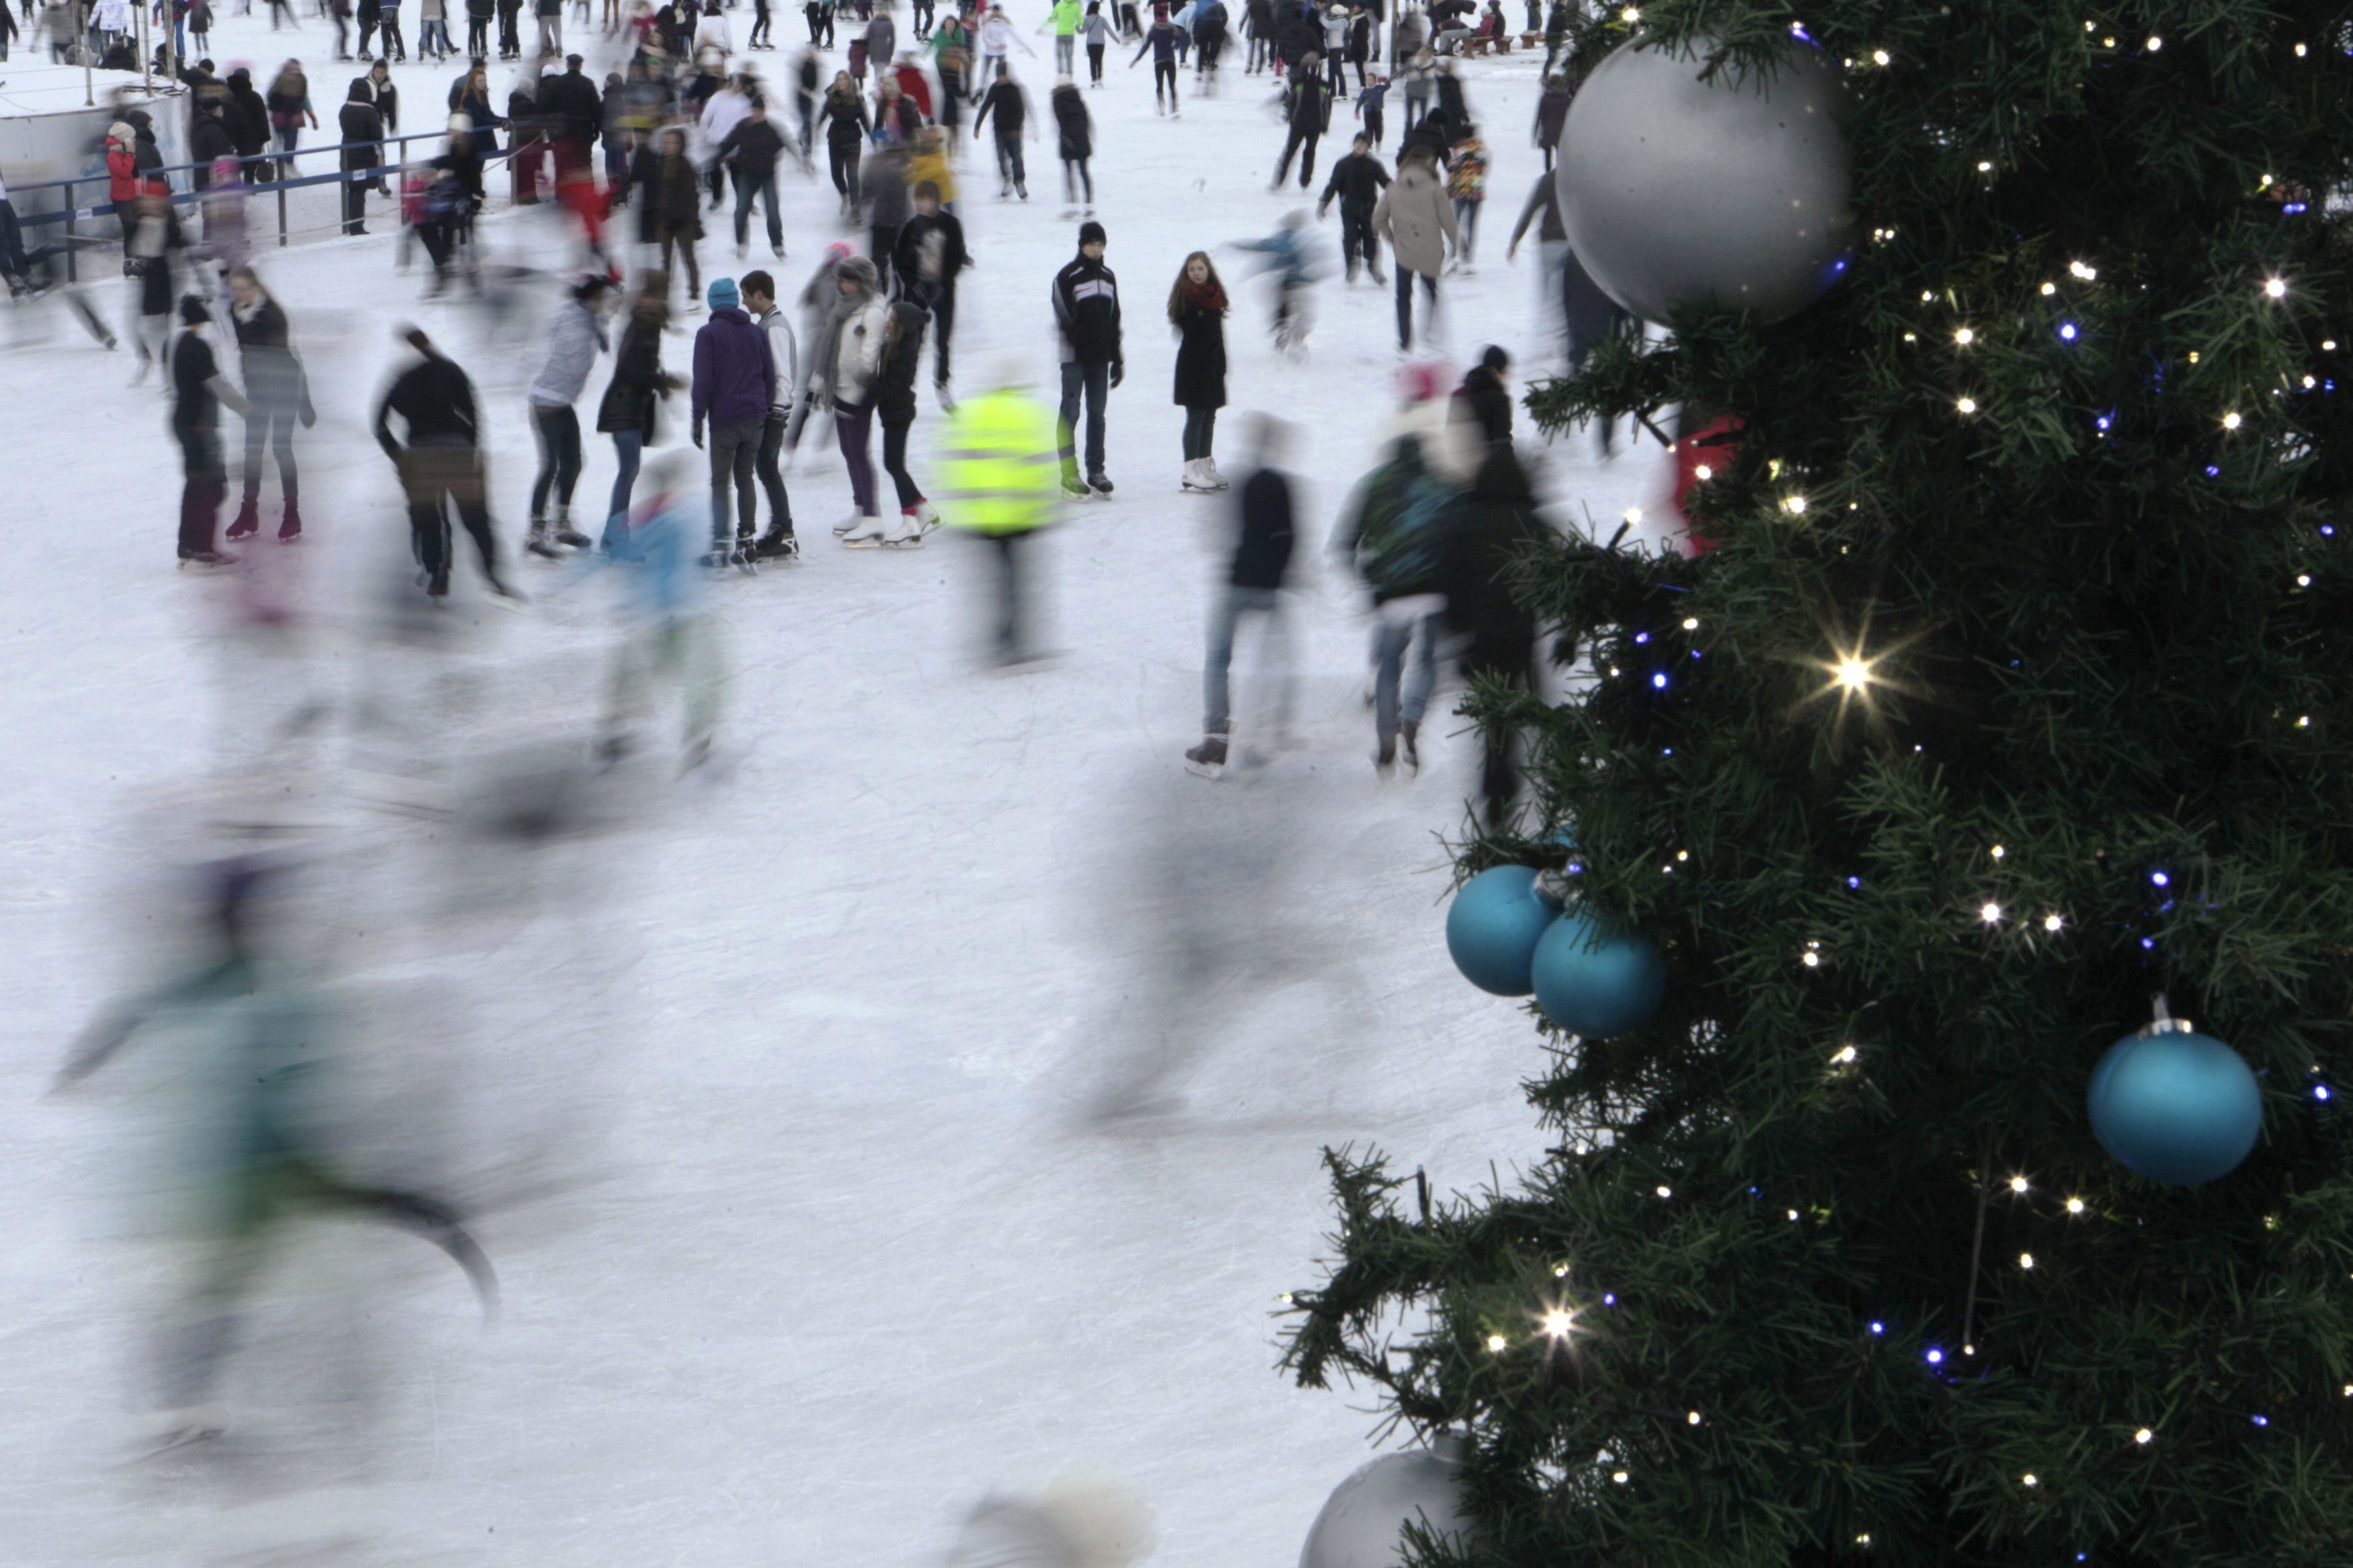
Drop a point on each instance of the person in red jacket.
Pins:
(122, 176)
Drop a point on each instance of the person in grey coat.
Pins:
(1418, 221)
(574, 338)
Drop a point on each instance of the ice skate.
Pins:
(847, 524)
(1209, 758)
(926, 515)
(866, 535)
(565, 535)
(1100, 482)
(906, 532)
(778, 546)
(289, 527)
(1407, 752)
(1195, 481)
(207, 558)
(1384, 758)
(248, 520)
(1209, 471)
(1074, 489)
(540, 542)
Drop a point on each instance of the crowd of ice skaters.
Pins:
(668, 140)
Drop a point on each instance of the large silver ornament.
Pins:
(1363, 1522)
(1675, 191)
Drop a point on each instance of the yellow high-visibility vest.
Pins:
(1002, 464)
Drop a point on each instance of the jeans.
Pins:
(1391, 637)
(1466, 218)
(1074, 178)
(629, 448)
(772, 478)
(1406, 277)
(1215, 693)
(894, 459)
(853, 429)
(1092, 377)
(1009, 170)
(844, 157)
(735, 454)
(1200, 432)
(1064, 46)
(558, 431)
(884, 239)
(751, 183)
(270, 429)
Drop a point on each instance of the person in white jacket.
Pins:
(842, 372)
(760, 299)
(713, 33)
(998, 36)
(574, 338)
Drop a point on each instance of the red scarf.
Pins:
(1205, 296)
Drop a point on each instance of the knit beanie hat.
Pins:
(1091, 233)
(193, 311)
(723, 294)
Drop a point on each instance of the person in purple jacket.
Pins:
(734, 385)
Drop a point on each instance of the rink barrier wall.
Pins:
(70, 215)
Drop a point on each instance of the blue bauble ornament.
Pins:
(2175, 1105)
(1493, 926)
(1596, 982)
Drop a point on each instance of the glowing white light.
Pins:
(1811, 960)
(1967, 406)
(1633, 514)
(2154, 43)
(1880, 57)
(1990, 914)
(2231, 420)
(2050, 287)
(1619, 1477)
(2075, 1205)
(2299, 51)
(1984, 167)
(1998, 852)
(1691, 1416)
(1965, 337)
(2026, 1260)
(1691, 623)
(2275, 288)
(2030, 1479)
(1666, 1192)
(2144, 1436)
(2086, 273)
(1795, 505)
(2053, 922)
(1496, 1342)
(1630, 15)
(1703, 473)
(1558, 1322)
(1854, 674)
(1846, 1055)
(2018, 1184)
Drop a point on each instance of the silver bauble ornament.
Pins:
(1677, 191)
(1363, 1522)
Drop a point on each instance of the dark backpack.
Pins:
(1400, 545)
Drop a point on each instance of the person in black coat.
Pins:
(1254, 580)
(626, 410)
(1357, 181)
(1487, 397)
(1075, 135)
(248, 119)
(1308, 112)
(208, 138)
(1484, 532)
(442, 463)
(361, 132)
(930, 254)
(384, 95)
(1197, 310)
(894, 405)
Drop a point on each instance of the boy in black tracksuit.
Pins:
(1311, 112)
(1086, 318)
(929, 255)
(1356, 180)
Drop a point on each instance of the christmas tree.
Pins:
(2011, 696)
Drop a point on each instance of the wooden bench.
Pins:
(1475, 46)
(1530, 40)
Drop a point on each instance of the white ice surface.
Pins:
(772, 1094)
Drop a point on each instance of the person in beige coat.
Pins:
(1415, 218)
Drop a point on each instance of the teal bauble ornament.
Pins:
(1493, 925)
(1594, 981)
(2176, 1106)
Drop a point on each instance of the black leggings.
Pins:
(558, 430)
(844, 156)
(894, 460)
(478, 37)
(1163, 71)
(1094, 63)
(1075, 177)
(1200, 430)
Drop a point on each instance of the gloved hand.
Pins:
(698, 435)
(1118, 370)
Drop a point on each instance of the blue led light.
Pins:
(1642, 638)
(2148, 943)
(2327, 531)
(2293, 207)
(1936, 1357)
(2320, 1091)
(2102, 423)
(1878, 1328)
(1608, 1300)
(2067, 332)
(1660, 680)
(2261, 1420)
(1855, 881)
(1695, 653)
(2159, 879)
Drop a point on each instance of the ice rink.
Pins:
(781, 1091)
